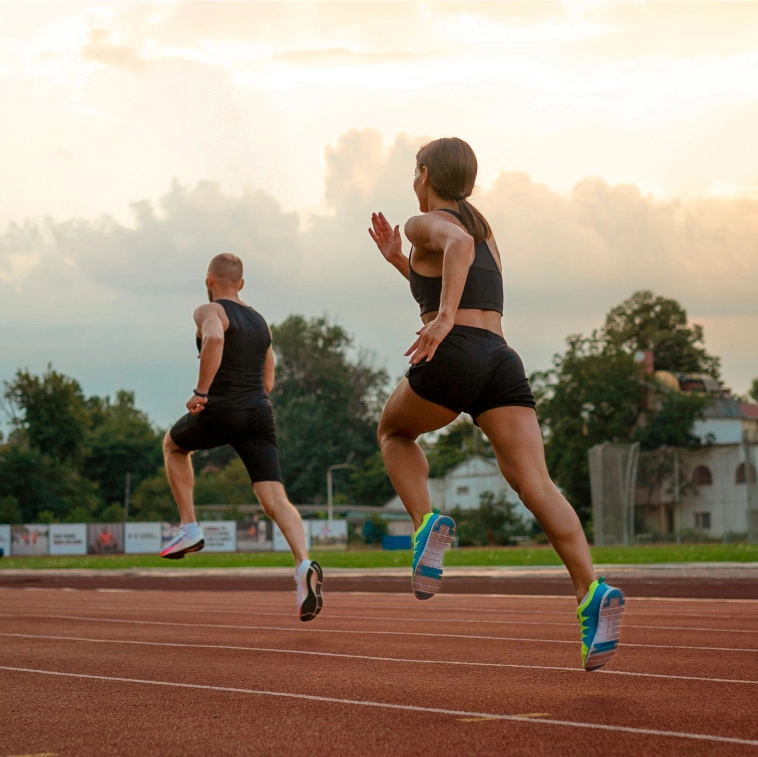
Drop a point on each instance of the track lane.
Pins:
(549, 684)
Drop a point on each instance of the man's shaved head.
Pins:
(226, 267)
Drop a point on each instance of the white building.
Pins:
(712, 490)
(728, 421)
(722, 479)
(461, 487)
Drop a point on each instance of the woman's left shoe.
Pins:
(432, 538)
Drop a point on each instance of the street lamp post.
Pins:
(329, 486)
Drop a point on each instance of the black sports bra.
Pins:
(483, 289)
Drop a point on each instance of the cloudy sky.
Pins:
(616, 144)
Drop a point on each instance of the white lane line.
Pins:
(401, 707)
(375, 658)
(459, 607)
(361, 632)
(444, 612)
(448, 619)
(445, 598)
(446, 616)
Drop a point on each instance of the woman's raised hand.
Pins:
(387, 239)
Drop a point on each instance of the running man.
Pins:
(460, 362)
(231, 405)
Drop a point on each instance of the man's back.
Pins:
(238, 383)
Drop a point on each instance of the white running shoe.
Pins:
(182, 544)
(308, 578)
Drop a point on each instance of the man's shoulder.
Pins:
(209, 308)
(208, 312)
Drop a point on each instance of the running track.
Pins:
(93, 672)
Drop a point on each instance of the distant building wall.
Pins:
(711, 490)
(724, 430)
(463, 486)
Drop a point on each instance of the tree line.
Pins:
(67, 455)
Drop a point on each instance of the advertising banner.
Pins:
(142, 538)
(255, 536)
(29, 540)
(5, 540)
(328, 534)
(68, 538)
(219, 535)
(280, 543)
(105, 538)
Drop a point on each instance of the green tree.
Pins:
(327, 401)
(369, 482)
(229, 486)
(152, 500)
(672, 424)
(591, 395)
(38, 482)
(494, 522)
(596, 392)
(10, 510)
(645, 321)
(51, 413)
(753, 391)
(112, 514)
(121, 440)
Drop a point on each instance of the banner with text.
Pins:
(68, 538)
(143, 538)
(219, 535)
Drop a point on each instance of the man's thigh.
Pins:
(203, 430)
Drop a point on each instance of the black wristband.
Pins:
(199, 394)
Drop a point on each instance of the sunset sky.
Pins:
(616, 143)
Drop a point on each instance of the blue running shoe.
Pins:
(433, 537)
(600, 617)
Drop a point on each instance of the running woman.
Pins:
(460, 362)
(231, 405)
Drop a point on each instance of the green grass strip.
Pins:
(376, 558)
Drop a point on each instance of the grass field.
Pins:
(371, 558)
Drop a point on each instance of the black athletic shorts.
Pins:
(251, 433)
(472, 371)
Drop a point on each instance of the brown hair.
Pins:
(452, 172)
(227, 267)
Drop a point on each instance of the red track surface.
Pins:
(234, 673)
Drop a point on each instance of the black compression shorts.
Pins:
(251, 433)
(472, 371)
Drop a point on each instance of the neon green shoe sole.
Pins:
(599, 616)
(433, 537)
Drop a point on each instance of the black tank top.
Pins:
(483, 289)
(238, 382)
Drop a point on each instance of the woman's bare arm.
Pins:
(457, 248)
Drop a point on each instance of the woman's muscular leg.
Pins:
(405, 417)
(517, 441)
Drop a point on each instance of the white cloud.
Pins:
(111, 302)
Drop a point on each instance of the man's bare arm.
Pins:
(211, 330)
(268, 371)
